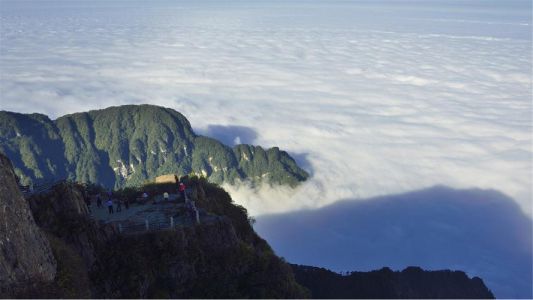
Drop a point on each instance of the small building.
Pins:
(169, 178)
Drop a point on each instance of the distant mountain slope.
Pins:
(33, 143)
(411, 283)
(125, 145)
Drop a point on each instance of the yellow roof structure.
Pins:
(169, 178)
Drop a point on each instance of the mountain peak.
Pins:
(127, 145)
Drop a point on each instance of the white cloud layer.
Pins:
(374, 97)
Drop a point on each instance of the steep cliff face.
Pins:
(25, 253)
(205, 261)
(63, 214)
(220, 258)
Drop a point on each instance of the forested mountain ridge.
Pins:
(411, 283)
(126, 145)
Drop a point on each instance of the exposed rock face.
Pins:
(205, 261)
(63, 213)
(63, 199)
(25, 253)
(220, 258)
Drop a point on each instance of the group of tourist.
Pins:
(113, 204)
(189, 203)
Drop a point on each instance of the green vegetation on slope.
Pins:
(33, 144)
(126, 145)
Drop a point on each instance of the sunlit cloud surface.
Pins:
(371, 97)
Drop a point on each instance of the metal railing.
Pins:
(160, 224)
(146, 226)
(40, 188)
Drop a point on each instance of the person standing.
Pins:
(145, 197)
(109, 204)
(98, 200)
(182, 189)
(189, 206)
(87, 200)
(126, 201)
(119, 205)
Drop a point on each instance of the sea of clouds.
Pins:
(370, 97)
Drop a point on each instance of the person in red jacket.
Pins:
(181, 189)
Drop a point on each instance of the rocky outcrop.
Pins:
(220, 258)
(204, 261)
(25, 253)
(63, 213)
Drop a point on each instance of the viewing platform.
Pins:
(150, 216)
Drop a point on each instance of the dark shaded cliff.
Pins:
(412, 283)
(223, 258)
(25, 254)
(220, 258)
(205, 261)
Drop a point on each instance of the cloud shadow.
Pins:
(231, 135)
(302, 160)
(482, 232)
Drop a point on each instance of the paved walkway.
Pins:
(135, 210)
(162, 215)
